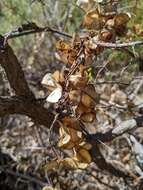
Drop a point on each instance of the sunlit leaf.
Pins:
(55, 95)
(78, 81)
(93, 20)
(58, 76)
(49, 82)
(88, 117)
(83, 155)
(75, 96)
(87, 101)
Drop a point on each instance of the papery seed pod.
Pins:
(83, 155)
(87, 101)
(58, 76)
(88, 117)
(55, 95)
(65, 139)
(75, 96)
(78, 81)
(70, 122)
(49, 82)
(85, 145)
(81, 109)
(107, 36)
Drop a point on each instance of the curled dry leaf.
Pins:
(67, 52)
(61, 45)
(49, 82)
(75, 96)
(55, 95)
(81, 109)
(93, 20)
(68, 163)
(75, 136)
(48, 188)
(78, 81)
(120, 22)
(85, 145)
(65, 139)
(70, 122)
(107, 35)
(87, 101)
(88, 117)
(83, 155)
(121, 19)
(110, 24)
(69, 137)
(58, 76)
(90, 89)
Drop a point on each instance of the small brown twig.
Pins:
(16, 33)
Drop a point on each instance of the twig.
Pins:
(104, 66)
(111, 82)
(16, 33)
(117, 45)
(49, 135)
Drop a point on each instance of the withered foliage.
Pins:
(72, 91)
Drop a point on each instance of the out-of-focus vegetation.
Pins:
(13, 13)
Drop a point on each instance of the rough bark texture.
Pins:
(24, 101)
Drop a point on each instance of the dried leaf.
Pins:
(69, 163)
(121, 19)
(88, 117)
(75, 138)
(49, 82)
(85, 145)
(75, 96)
(78, 81)
(52, 165)
(120, 22)
(66, 52)
(82, 165)
(81, 109)
(48, 188)
(70, 122)
(61, 45)
(93, 20)
(55, 95)
(87, 101)
(90, 89)
(83, 155)
(107, 36)
(65, 139)
(58, 76)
